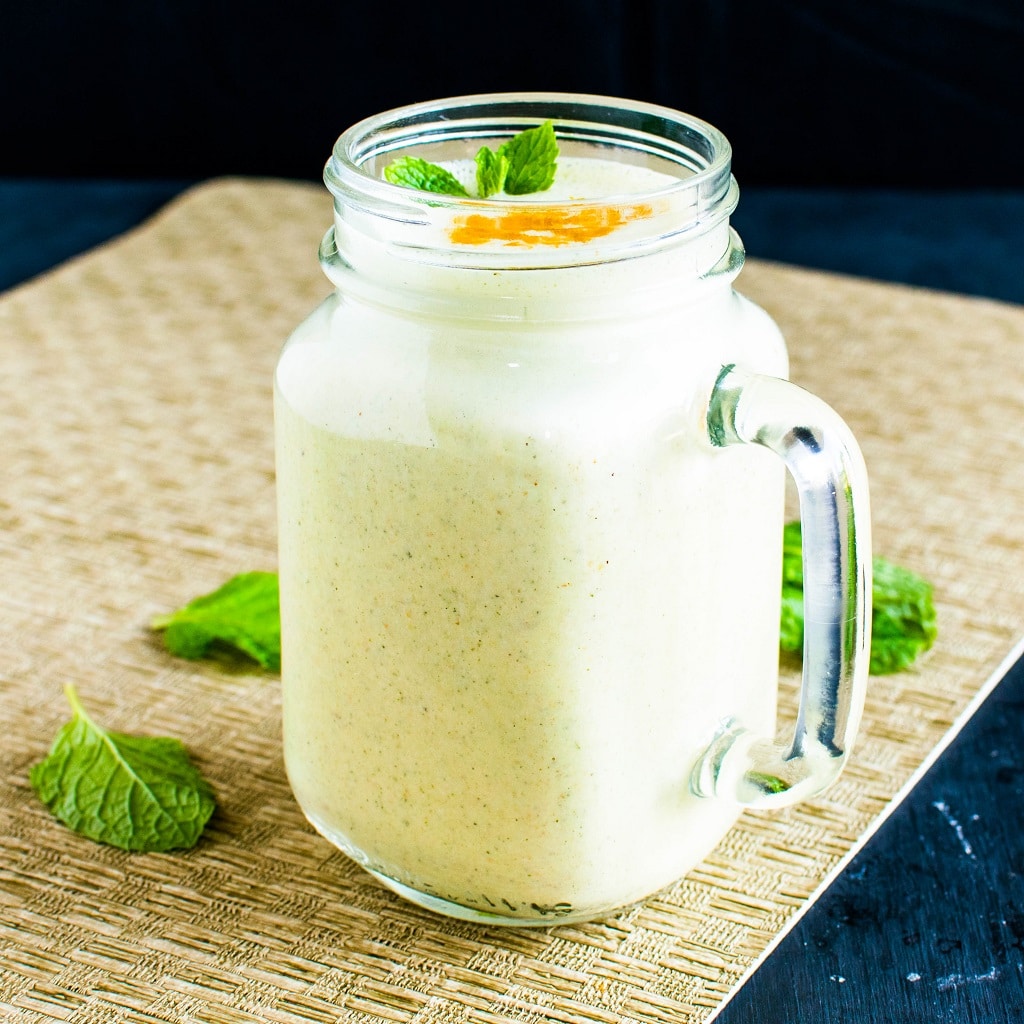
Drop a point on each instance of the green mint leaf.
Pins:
(532, 156)
(903, 622)
(791, 626)
(134, 792)
(792, 557)
(491, 171)
(412, 172)
(524, 164)
(903, 618)
(766, 783)
(244, 614)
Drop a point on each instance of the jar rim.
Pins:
(648, 133)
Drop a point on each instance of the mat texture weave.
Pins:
(135, 424)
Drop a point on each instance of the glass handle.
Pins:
(824, 460)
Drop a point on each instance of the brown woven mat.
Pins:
(137, 463)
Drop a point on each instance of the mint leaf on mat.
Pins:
(138, 793)
(244, 613)
(903, 619)
(791, 628)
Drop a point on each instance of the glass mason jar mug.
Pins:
(531, 495)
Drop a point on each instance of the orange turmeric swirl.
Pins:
(554, 226)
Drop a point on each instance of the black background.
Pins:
(902, 93)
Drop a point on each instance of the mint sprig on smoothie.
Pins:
(523, 165)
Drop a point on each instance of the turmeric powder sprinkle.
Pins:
(551, 226)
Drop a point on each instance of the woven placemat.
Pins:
(138, 472)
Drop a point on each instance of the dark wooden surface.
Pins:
(927, 923)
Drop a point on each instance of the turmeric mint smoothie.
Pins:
(501, 526)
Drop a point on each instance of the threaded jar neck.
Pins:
(536, 231)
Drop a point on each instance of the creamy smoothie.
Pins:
(502, 584)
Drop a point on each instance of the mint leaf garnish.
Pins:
(524, 164)
(903, 619)
(244, 613)
(532, 157)
(491, 171)
(137, 793)
(412, 172)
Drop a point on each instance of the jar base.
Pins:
(526, 916)
(452, 909)
(546, 917)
